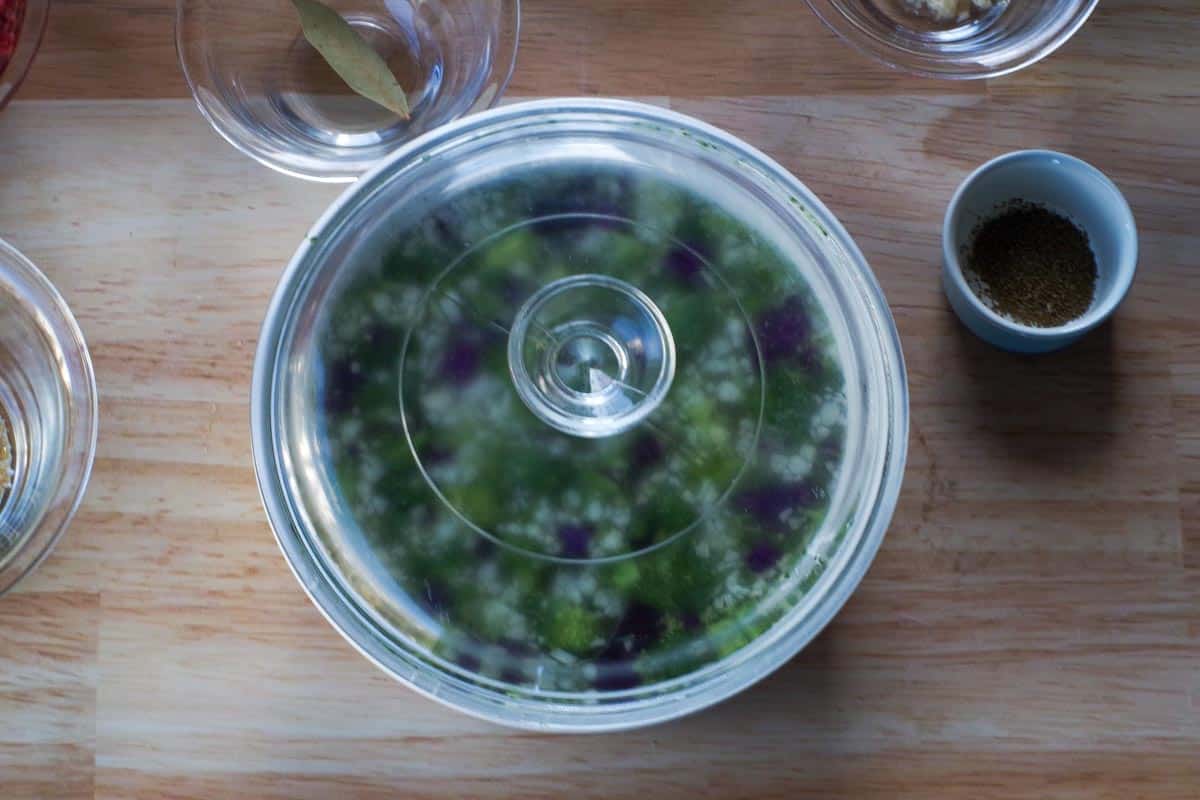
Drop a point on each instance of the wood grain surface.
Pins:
(1030, 628)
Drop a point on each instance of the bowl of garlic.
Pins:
(955, 39)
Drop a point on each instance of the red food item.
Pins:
(11, 13)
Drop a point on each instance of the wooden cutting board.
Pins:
(1030, 628)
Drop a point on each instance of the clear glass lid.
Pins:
(579, 414)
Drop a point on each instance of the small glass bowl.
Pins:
(272, 96)
(29, 39)
(985, 40)
(48, 403)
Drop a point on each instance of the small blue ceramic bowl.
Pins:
(1067, 186)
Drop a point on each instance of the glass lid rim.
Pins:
(307, 259)
(538, 709)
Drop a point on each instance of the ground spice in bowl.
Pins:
(1031, 265)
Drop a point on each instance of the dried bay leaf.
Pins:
(355, 61)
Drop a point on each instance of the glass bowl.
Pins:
(31, 24)
(579, 415)
(272, 96)
(49, 415)
(985, 39)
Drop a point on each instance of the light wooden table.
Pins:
(1030, 629)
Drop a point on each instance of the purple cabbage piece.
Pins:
(617, 677)
(485, 548)
(512, 676)
(640, 628)
(344, 378)
(379, 335)
(831, 449)
(468, 661)
(645, 453)
(460, 364)
(767, 503)
(762, 557)
(684, 265)
(575, 540)
(517, 647)
(432, 455)
(786, 331)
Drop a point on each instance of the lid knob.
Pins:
(591, 355)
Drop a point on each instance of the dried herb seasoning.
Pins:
(1031, 265)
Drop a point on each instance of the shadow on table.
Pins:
(1047, 411)
(796, 727)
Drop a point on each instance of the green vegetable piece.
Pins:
(350, 56)
(572, 629)
(625, 576)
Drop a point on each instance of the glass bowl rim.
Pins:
(251, 147)
(82, 428)
(665, 700)
(832, 15)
